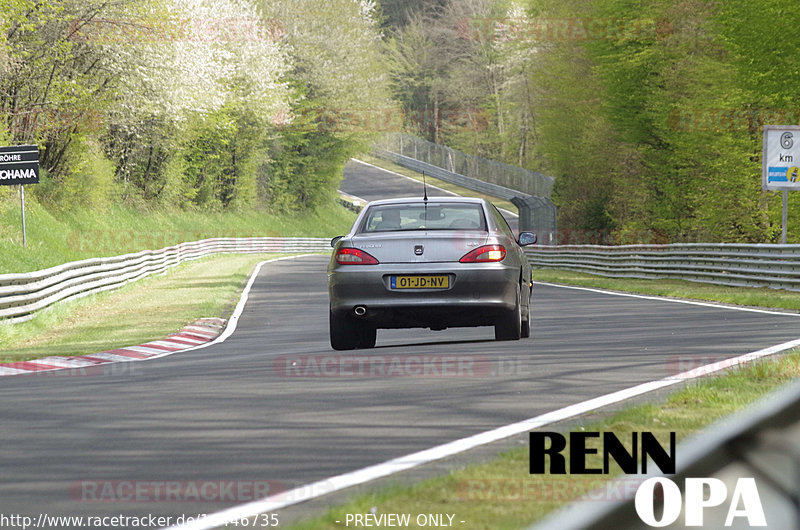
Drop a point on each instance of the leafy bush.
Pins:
(86, 181)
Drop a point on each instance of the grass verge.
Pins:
(746, 296)
(500, 494)
(58, 237)
(391, 166)
(149, 309)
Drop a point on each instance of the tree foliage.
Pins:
(648, 113)
(186, 102)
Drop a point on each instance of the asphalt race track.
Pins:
(232, 412)
(372, 183)
(274, 405)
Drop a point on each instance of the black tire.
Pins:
(367, 336)
(348, 333)
(509, 325)
(343, 332)
(525, 331)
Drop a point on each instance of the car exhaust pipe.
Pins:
(360, 310)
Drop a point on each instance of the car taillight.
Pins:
(354, 256)
(484, 254)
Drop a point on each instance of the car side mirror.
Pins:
(335, 240)
(527, 238)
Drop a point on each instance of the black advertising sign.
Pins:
(19, 165)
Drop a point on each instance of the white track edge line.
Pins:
(229, 329)
(237, 312)
(404, 176)
(673, 300)
(361, 476)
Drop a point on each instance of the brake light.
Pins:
(354, 256)
(486, 253)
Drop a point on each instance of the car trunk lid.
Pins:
(420, 246)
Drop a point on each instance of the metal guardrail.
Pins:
(21, 295)
(351, 202)
(776, 266)
(733, 264)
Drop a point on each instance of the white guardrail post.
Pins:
(21, 295)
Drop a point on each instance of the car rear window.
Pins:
(419, 216)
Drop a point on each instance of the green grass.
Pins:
(59, 237)
(391, 166)
(149, 309)
(501, 494)
(747, 296)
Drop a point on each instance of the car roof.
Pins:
(406, 200)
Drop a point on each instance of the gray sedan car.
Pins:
(435, 263)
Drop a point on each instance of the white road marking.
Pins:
(176, 337)
(68, 362)
(237, 312)
(107, 356)
(140, 349)
(111, 357)
(404, 176)
(58, 361)
(164, 342)
(367, 474)
(674, 300)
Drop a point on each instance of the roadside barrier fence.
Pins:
(752, 265)
(471, 170)
(734, 264)
(21, 295)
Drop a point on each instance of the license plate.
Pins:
(420, 282)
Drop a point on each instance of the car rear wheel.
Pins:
(509, 325)
(343, 332)
(367, 335)
(525, 332)
(347, 333)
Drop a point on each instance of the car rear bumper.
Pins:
(477, 294)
